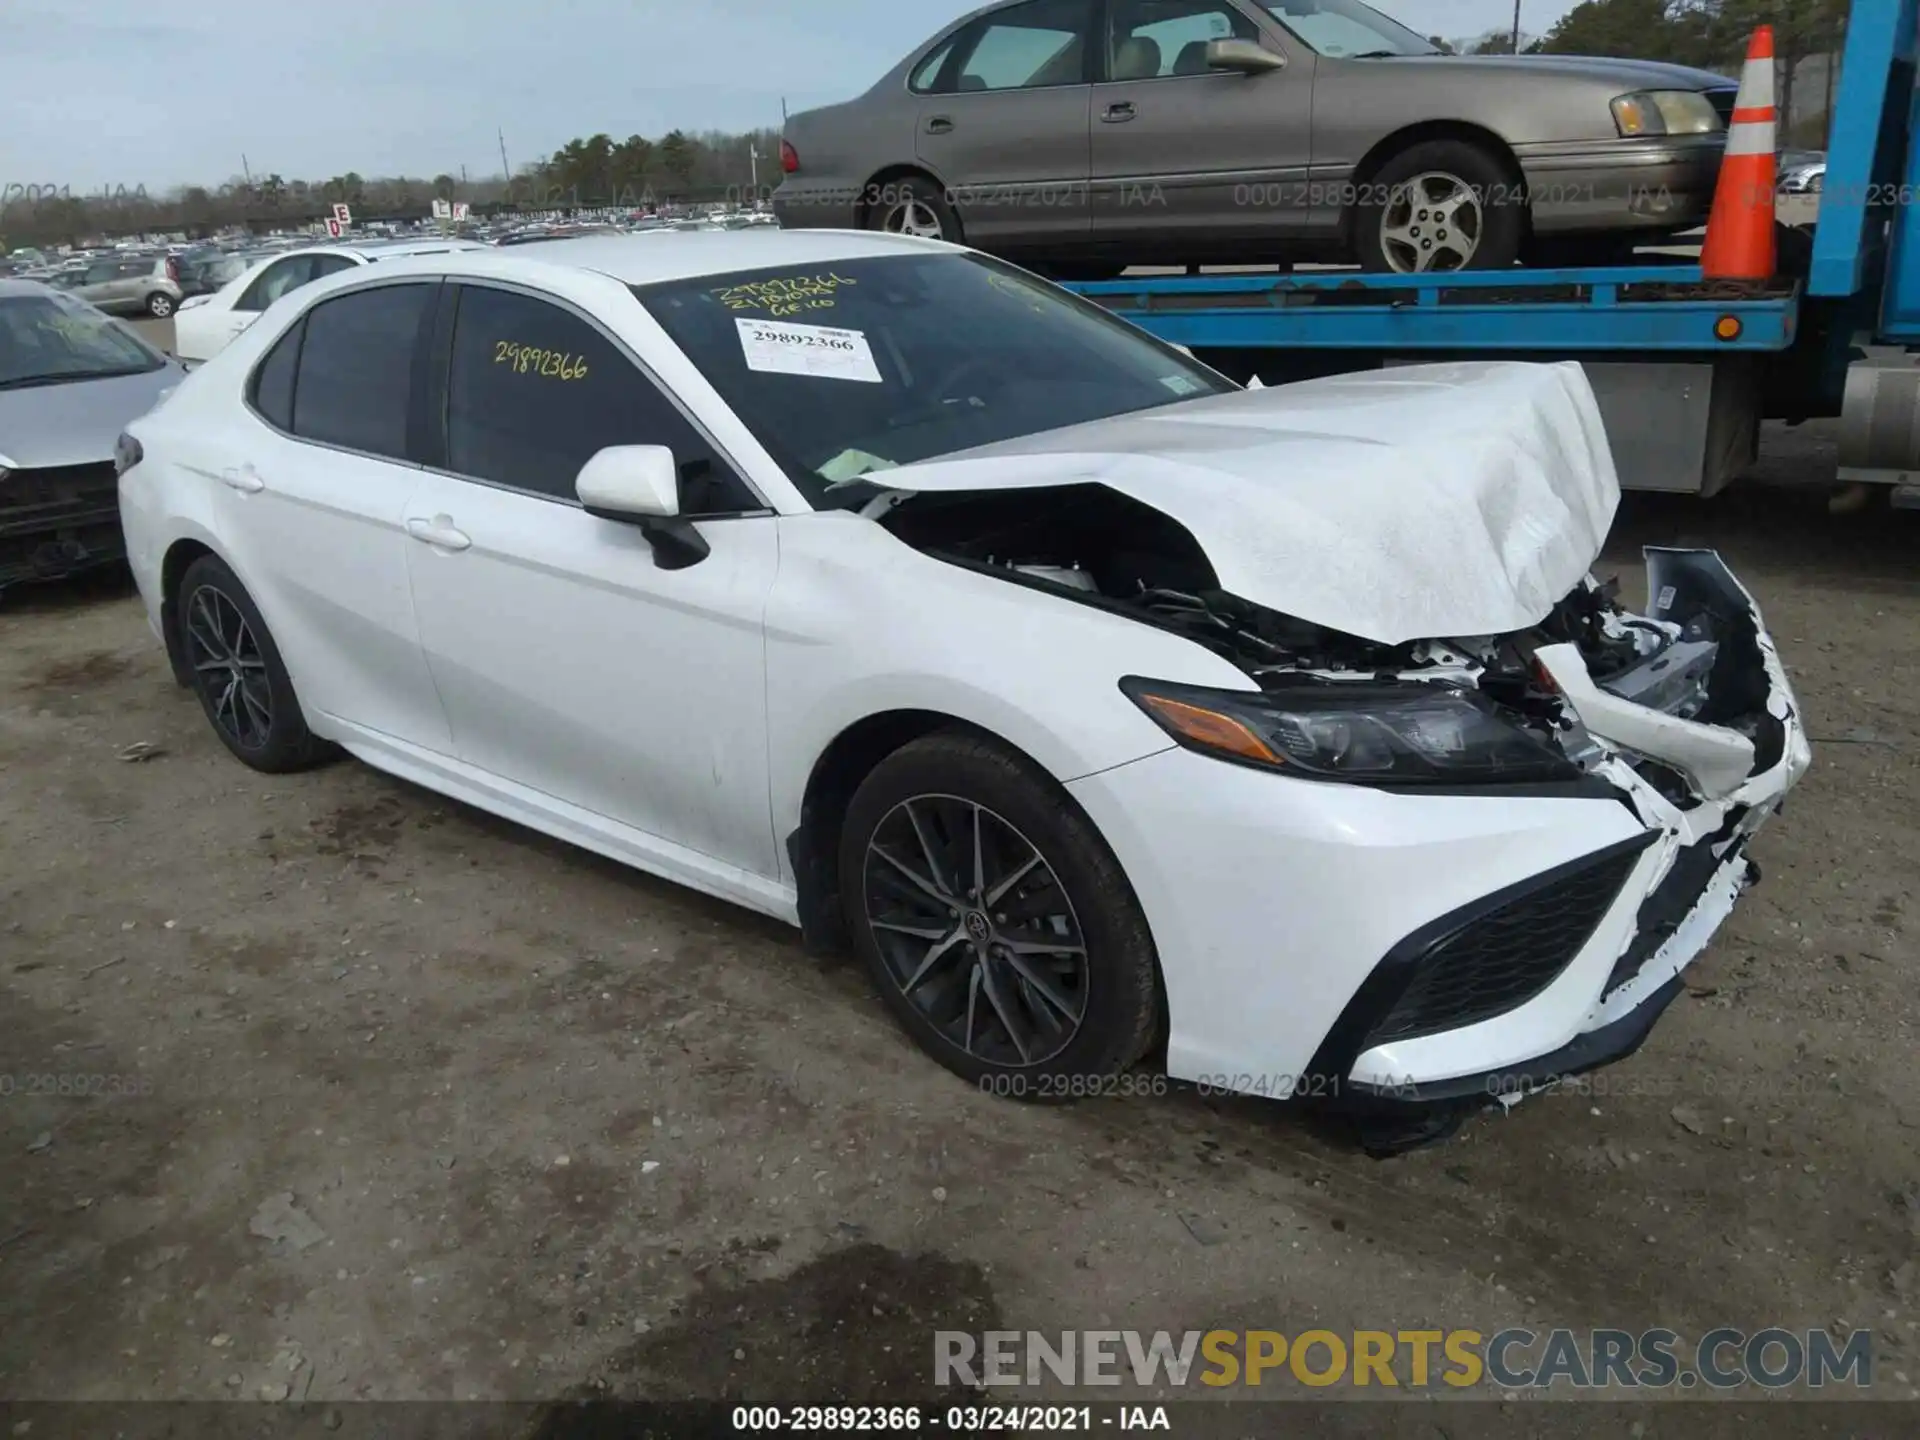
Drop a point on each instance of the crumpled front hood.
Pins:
(1422, 502)
(75, 422)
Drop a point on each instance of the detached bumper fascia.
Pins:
(1692, 874)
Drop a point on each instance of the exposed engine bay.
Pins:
(1103, 548)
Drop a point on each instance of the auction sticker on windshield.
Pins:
(781, 348)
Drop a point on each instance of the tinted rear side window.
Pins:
(273, 381)
(356, 369)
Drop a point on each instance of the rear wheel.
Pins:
(160, 305)
(1437, 206)
(912, 205)
(237, 672)
(995, 921)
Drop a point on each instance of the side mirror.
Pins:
(1249, 57)
(640, 485)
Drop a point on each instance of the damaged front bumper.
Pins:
(1399, 952)
(1656, 899)
(57, 522)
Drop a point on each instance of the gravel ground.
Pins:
(398, 1101)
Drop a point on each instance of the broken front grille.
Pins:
(1506, 955)
(59, 485)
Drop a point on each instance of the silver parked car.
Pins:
(1083, 136)
(70, 381)
(127, 284)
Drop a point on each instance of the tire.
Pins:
(159, 305)
(258, 718)
(1428, 170)
(1080, 272)
(1092, 1016)
(912, 205)
(1585, 252)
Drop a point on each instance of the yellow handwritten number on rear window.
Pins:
(532, 360)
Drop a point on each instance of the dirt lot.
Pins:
(547, 1125)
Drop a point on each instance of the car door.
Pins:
(96, 283)
(316, 483)
(1180, 149)
(570, 662)
(1006, 127)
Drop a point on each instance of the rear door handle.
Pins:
(1118, 112)
(437, 532)
(245, 479)
(939, 125)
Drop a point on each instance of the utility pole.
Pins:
(505, 172)
(1516, 27)
(783, 110)
(246, 173)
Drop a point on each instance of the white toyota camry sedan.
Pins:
(1108, 711)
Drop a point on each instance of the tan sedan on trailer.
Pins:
(1086, 135)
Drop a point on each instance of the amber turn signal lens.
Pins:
(1211, 729)
(1727, 327)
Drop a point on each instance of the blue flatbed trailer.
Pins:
(1685, 368)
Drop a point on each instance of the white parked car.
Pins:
(877, 586)
(204, 325)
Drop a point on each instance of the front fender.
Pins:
(860, 624)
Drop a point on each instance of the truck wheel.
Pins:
(1439, 205)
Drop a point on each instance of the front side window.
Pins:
(1025, 47)
(356, 368)
(846, 369)
(1348, 30)
(534, 392)
(48, 339)
(100, 274)
(1151, 39)
(276, 280)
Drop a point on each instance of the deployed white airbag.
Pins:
(1429, 501)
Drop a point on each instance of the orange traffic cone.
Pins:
(1739, 243)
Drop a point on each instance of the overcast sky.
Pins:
(98, 94)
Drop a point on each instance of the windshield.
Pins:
(844, 369)
(49, 338)
(1348, 30)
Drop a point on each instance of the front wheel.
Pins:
(1437, 206)
(237, 672)
(159, 305)
(995, 921)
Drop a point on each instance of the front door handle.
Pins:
(1119, 112)
(244, 479)
(437, 532)
(939, 125)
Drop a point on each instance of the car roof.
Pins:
(21, 285)
(407, 245)
(690, 254)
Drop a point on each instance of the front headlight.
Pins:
(1665, 112)
(1363, 733)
